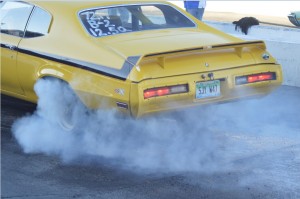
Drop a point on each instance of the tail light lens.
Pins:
(167, 90)
(255, 78)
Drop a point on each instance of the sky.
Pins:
(269, 8)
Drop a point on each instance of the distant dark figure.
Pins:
(245, 23)
(195, 8)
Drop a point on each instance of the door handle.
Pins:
(11, 47)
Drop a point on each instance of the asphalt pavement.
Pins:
(266, 163)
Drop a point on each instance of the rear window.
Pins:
(106, 21)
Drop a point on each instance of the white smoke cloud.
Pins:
(164, 143)
(242, 136)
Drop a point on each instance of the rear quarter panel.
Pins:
(68, 39)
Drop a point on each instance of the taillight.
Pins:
(255, 78)
(261, 77)
(167, 90)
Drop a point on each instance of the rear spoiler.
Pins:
(238, 47)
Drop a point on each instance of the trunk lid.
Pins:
(173, 53)
(142, 43)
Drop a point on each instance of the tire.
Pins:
(67, 121)
(59, 104)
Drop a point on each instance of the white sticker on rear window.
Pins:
(106, 21)
(98, 25)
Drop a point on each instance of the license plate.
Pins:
(208, 89)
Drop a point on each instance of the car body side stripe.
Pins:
(120, 74)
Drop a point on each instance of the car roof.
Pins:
(80, 5)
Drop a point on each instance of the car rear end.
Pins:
(210, 74)
(174, 60)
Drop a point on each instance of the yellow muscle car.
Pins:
(140, 57)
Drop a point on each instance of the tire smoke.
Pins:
(218, 138)
(158, 143)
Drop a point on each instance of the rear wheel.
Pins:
(72, 114)
(67, 121)
(59, 104)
